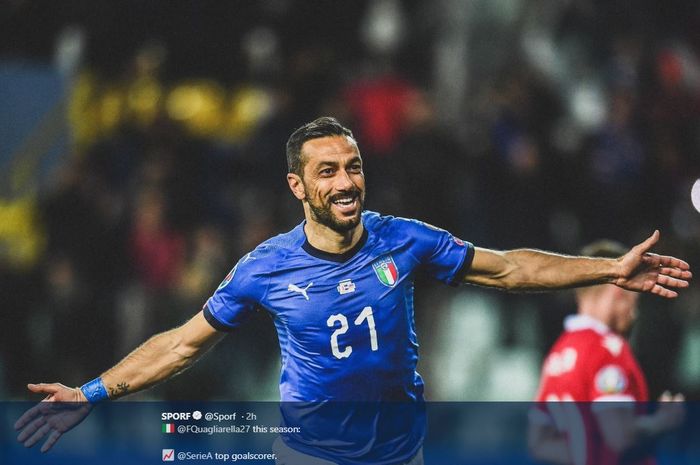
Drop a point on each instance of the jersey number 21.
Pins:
(366, 314)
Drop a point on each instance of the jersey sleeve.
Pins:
(237, 296)
(442, 255)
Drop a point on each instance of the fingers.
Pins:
(671, 410)
(28, 416)
(664, 282)
(41, 409)
(39, 428)
(50, 441)
(44, 388)
(668, 281)
(36, 431)
(30, 429)
(666, 260)
(667, 397)
(47, 418)
(663, 292)
(675, 273)
(38, 435)
(668, 272)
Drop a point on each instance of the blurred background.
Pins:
(142, 153)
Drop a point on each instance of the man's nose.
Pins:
(343, 181)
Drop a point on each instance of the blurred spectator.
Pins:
(204, 267)
(616, 171)
(518, 169)
(156, 249)
(446, 196)
(378, 106)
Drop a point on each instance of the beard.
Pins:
(322, 213)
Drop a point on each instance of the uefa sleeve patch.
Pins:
(611, 379)
(227, 279)
(232, 273)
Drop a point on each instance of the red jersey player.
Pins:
(591, 402)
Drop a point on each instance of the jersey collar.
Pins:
(581, 322)
(335, 257)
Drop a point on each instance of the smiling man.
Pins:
(339, 288)
(325, 173)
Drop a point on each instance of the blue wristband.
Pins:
(95, 391)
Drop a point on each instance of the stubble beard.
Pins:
(323, 214)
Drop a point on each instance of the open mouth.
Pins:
(346, 203)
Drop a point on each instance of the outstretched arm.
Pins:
(532, 270)
(161, 357)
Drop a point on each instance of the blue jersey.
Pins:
(345, 321)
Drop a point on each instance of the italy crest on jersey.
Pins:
(386, 271)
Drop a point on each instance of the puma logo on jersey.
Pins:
(295, 288)
(247, 257)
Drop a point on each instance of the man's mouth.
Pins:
(346, 203)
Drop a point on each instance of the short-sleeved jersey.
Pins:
(588, 367)
(345, 322)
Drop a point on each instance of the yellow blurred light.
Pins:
(143, 100)
(111, 108)
(21, 238)
(183, 102)
(249, 106)
(82, 110)
(199, 106)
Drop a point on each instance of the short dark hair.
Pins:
(320, 127)
(604, 248)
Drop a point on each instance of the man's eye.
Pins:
(355, 168)
(326, 172)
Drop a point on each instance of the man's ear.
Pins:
(296, 185)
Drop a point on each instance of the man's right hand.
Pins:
(61, 410)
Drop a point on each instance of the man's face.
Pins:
(333, 182)
(624, 311)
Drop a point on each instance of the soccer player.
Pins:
(591, 402)
(339, 287)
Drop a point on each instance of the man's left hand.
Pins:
(642, 271)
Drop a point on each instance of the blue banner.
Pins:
(268, 433)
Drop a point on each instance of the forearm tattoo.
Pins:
(121, 389)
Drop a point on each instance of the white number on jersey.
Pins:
(366, 314)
